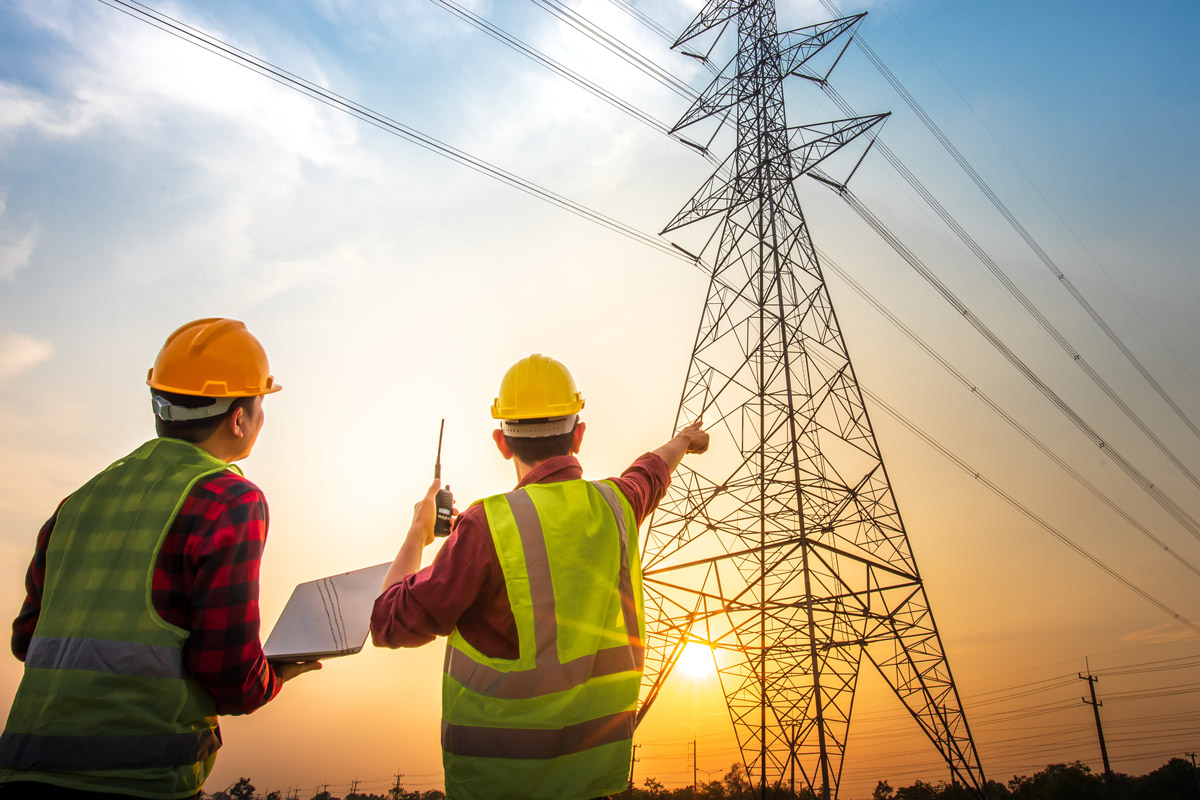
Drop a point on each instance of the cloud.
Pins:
(21, 108)
(1161, 634)
(16, 241)
(19, 353)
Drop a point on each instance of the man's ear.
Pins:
(577, 437)
(502, 444)
(235, 423)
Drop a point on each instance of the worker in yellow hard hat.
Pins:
(140, 624)
(539, 591)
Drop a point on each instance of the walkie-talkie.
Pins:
(445, 500)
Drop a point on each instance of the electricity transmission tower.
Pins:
(787, 554)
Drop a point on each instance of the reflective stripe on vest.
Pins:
(103, 655)
(549, 675)
(469, 740)
(75, 753)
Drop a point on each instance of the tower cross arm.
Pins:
(797, 47)
(819, 141)
(714, 13)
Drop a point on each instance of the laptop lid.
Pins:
(326, 617)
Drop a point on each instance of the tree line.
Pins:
(1178, 779)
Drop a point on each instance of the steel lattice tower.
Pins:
(788, 555)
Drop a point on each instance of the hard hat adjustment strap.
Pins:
(557, 426)
(167, 411)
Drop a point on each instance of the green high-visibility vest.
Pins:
(105, 703)
(557, 721)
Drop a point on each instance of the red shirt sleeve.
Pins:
(644, 483)
(464, 582)
(35, 581)
(206, 581)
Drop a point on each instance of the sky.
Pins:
(145, 182)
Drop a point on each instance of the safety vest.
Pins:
(557, 721)
(105, 703)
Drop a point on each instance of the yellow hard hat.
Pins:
(213, 357)
(534, 388)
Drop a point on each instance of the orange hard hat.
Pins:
(213, 357)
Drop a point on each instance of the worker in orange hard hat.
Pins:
(539, 592)
(140, 624)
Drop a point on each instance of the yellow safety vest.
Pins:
(557, 721)
(105, 703)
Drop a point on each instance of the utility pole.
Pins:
(792, 759)
(1194, 770)
(394, 792)
(354, 786)
(1095, 704)
(694, 770)
(633, 760)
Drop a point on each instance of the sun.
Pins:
(696, 661)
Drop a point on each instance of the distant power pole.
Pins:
(633, 760)
(1194, 770)
(1095, 704)
(394, 792)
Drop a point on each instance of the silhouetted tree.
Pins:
(1175, 780)
(918, 791)
(242, 789)
(1074, 781)
(737, 785)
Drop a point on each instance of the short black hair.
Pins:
(195, 430)
(536, 450)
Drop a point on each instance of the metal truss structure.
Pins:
(787, 554)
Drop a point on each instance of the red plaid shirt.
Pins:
(206, 582)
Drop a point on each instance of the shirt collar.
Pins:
(554, 470)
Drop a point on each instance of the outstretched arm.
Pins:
(692, 439)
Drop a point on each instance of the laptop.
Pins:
(326, 617)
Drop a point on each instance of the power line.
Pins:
(227, 51)
(1169, 505)
(1021, 298)
(551, 64)
(1012, 220)
(617, 47)
(1040, 194)
(982, 396)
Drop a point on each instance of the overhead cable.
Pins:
(1169, 505)
(1024, 510)
(982, 396)
(1012, 220)
(551, 64)
(1021, 297)
(617, 47)
(227, 51)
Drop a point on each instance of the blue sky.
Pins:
(145, 182)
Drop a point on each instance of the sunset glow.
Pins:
(145, 181)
